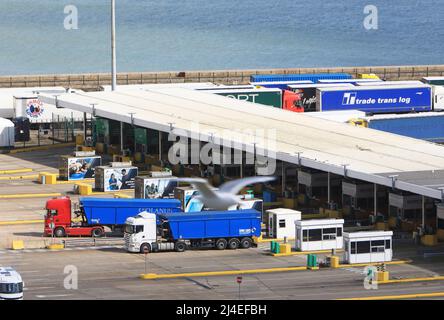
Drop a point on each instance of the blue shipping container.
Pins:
(214, 224)
(430, 128)
(375, 99)
(115, 211)
(314, 77)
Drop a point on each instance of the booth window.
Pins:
(282, 223)
(363, 247)
(378, 246)
(305, 235)
(339, 232)
(353, 247)
(440, 223)
(329, 234)
(387, 244)
(315, 235)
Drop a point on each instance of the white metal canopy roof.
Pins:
(356, 152)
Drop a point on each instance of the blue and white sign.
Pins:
(376, 100)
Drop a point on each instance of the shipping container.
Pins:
(352, 81)
(307, 93)
(426, 126)
(266, 96)
(438, 98)
(376, 99)
(226, 87)
(437, 81)
(298, 77)
(283, 85)
(389, 83)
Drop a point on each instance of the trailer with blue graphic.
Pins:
(376, 99)
(147, 232)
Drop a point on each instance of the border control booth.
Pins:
(320, 234)
(368, 246)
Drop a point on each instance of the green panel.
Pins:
(269, 98)
(102, 126)
(439, 82)
(140, 135)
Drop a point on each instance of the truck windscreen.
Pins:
(129, 229)
(11, 287)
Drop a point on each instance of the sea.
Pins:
(73, 36)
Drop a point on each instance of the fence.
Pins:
(94, 81)
(59, 130)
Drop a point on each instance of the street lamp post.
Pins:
(113, 45)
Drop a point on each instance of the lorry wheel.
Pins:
(59, 232)
(233, 243)
(180, 247)
(246, 243)
(97, 233)
(221, 244)
(145, 248)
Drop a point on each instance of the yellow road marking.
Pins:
(374, 264)
(402, 296)
(407, 280)
(6, 223)
(30, 177)
(15, 171)
(296, 253)
(151, 276)
(29, 195)
(74, 181)
(37, 148)
(269, 240)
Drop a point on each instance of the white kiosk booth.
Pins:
(368, 246)
(321, 234)
(281, 222)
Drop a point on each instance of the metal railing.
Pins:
(93, 242)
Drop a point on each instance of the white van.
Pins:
(11, 284)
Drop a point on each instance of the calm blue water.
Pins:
(225, 34)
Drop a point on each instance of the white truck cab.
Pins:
(140, 232)
(11, 284)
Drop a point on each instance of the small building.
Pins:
(368, 246)
(320, 234)
(281, 222)
(7, 133)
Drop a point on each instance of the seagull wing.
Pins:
(237, 185)
(202, 185)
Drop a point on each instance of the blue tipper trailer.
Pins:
(214, 224)
(376, 99)
(427, 126)
(314, 77)
(114, 212)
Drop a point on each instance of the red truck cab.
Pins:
(59, 213)
(292, 101)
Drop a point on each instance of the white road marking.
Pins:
(52, 296)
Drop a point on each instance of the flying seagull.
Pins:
(225, 197)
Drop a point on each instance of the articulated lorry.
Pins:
(91, 215)
(148, 232)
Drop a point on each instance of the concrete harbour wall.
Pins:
(94, 81)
